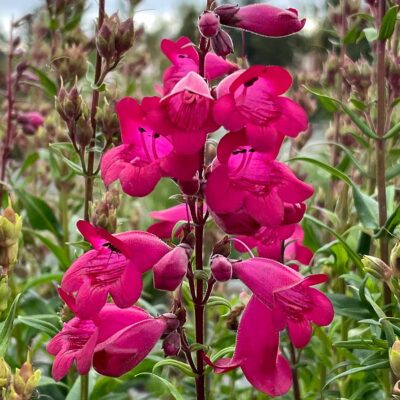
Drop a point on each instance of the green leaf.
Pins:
(171, 388)
(378, 365)
(393, 131)
(183, 367)
(359, 122)
(390, 224)
(42, 279)
(215, 301)
(371, 34)
(75, 391)
(367, 208)
(347, 306)
(388, 23)
(28, 162)
(7, 326)
(48, 85)
(54, 147)
(38, 324)
(352, 254)
(40, 215)
(327, 101)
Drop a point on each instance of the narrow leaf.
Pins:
(7, 326)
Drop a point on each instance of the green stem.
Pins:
(84, 387)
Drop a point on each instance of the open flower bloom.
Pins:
(116, 341)
(268, 243)
(185, 115)
(295, 304)
(184, 59)
(247, 181)
(262, 19)
(168, 218)
(252, 99)
(257, 352)
(145, 156)
(113, 267)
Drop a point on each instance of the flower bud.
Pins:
(171, 269)
(394, 357)
(221, 268)
(5, 373)
(84, 132)
(25, 381)
(32, 119)
(105, 39)
(5, 293)
(208, 24)
(223, 247)
(107, 120)
(172, 322)
(104, 212)
(124, 37)
(69, 104)
(395, 260)
(376, 267)
(172, 344)
(222, 44)
(10, 227)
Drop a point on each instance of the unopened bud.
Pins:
(222, 43)
(221, 268)
(84, 132)
(376, 267)
(209, 24)
(105, 40)
(172, 322)
(5, 373)
(124, 37)
(394, 357)
(172, 344)
(25, 381)
(5, 294)
(223, 247)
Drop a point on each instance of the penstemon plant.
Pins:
(240, 186)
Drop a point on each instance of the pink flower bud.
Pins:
(32, 118)
(171, 269)
(209, 24)
(221, 268)
(261, 19)
(222, 44)
(171, 322)
(172, 344)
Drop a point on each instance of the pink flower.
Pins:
(184, 59)
(262, 19)
(114, 267)
(78, 338)
(257, 352)
(252, 99)
(145, 156)
(248, 182)
(185, 114)
(269, 244)
(168, 218)
(288, 294)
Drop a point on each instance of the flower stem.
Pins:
(380, 147)
(84, 387)
(95, 101)
(296, 385)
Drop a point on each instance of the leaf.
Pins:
(7, 326)
(54, 147)
(40, 215)
(214, 301)
(388, 23)
(360, 122)
(390, 224)
(75, 391)
(28, 162)
(367, 208)
(371, 34)
(352, 254)
(328, 102)
(42, 279)
(58, 251)
(378, 365)
(171, 388)
(393, 131)
(183, 367)
(347, 306)
(48, 85)
(38, 324)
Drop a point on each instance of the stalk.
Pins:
(84, 387)
(95, 101)
(380, 147)
(295, 377)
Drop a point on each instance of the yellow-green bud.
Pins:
(376, 267)
(394, 357)
(395, 260)
(25, 381)
(10, 227)
(5, 373)
(5, 293)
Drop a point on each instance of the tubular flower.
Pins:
(269, 244)
(288, 294)
(168, 218)
(184, 59)
(246, 181)
(257, 352)
(261, 19)
(252, 99)
(145, 156)
(113, 267)
(84, 340)
(185, 114)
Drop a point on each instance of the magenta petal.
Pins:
(114, 161)
(90, 234)
(61, 366)
(140, 181)
(84, 357)
(90, 299)
(216, 66)
(300, 332)
(293, 118)
(218, 184)
(193, 82)
(264, 276)
(188, 142)
(225, 113)
(181, 166)
(128, 347)
(267, 209)
(264, 138)
(322, 314)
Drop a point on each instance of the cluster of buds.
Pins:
(69, 63)
(10, 230)
(30, 121)
(107, 120)
(104, 212)
(22, 384)
(358, 75)
(335, 13)
(69, 104)
(114, 38)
